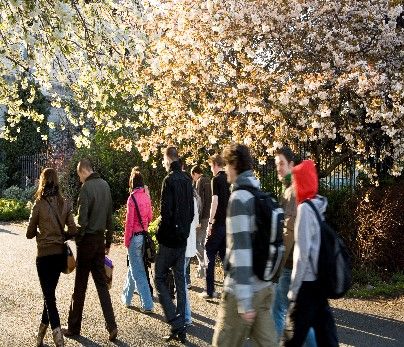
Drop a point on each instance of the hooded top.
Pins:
(307, 228)
(305, 180)
(240, 224)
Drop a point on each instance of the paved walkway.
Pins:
(360, 323)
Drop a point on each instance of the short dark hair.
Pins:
(217, 159)
(287, 153)
(136, 179)
(172, 153)
(85, 164)
(239, 156)
(196, 170)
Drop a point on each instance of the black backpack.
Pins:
(334, 264)
(268, 250)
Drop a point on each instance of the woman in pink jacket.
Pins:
(135, 228)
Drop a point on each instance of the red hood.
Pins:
(305, 180)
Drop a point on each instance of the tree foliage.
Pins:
(202, 73)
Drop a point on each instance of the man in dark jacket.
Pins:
(203, 188)
(177, 212)
(94, 218)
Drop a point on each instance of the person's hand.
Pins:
(106, 251)
(249, 316)
(209, 230)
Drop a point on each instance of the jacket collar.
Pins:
(94, 175)
(175, 166)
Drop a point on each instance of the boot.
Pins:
(58, 337)
(41, 334)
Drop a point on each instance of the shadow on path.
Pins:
(87, 342)
(7, 232)
(361, 329)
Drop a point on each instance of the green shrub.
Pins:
(17, 193)
(153, 226)
(118, 220)
(13, 192)
(13, 210)
(114, 166)
(3, 177)
(380, 223)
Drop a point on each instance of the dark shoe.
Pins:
(41, 334)
(182, 337)
(177, 336)
(113, 334)
(69, 333)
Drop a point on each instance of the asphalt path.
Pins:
(360, 323)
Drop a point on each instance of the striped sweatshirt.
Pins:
(240, 224)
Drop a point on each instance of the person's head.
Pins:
(136, 179)
(305, 180)
(284, 161)
(84, 169)
(216, 163)
(196, 172)
(48, 181)
(170, 155)
(238, 159)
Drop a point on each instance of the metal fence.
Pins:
(344, 176)
(31, 167)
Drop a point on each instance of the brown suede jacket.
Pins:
(44, 226)
(288, 203)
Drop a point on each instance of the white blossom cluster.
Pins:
(201, 73)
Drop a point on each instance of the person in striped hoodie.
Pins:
(245, 306)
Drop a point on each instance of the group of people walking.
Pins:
(198, 217)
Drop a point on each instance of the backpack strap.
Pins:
(310, 203)
(250, 189)
(138, 212)
(320, 221)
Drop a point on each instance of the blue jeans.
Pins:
(188, 318)
(280, 307)
(136, 279)
(171, 258)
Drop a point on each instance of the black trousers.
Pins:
(167, 259)
(311, 309)
(215, 244)
(49, 268)
(90, 258)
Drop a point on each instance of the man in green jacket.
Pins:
(93, 242)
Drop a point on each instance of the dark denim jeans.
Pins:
(311, 309)
(49, 268)
(166, 259)
(215, 244)
(90, 258)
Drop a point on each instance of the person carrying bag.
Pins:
(139, 243)
(49, 214)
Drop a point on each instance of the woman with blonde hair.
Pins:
(49, 215)
(138, 217)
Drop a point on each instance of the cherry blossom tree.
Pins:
(200, 74)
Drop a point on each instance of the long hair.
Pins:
(49, 186)
(136, 179)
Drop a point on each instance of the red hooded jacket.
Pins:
(305, 180)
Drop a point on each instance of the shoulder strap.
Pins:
(319, 219)
(137, 211)
(250, 189)
(310, 203)
(57, 216)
